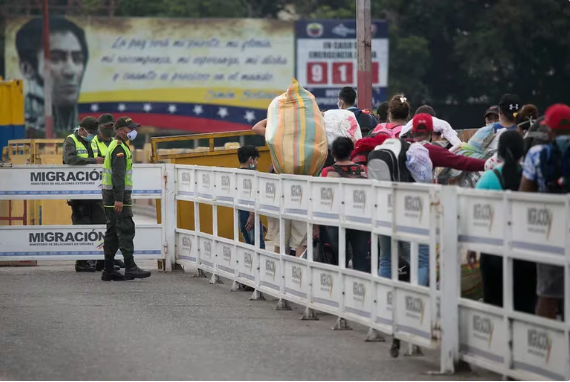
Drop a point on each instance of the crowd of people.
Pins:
(515, 150)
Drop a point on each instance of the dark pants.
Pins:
(524, 283)
(87, 212)
(119, 235)
(249, 236)
(358, 241)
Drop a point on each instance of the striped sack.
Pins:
(295, 132)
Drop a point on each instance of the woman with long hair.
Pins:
(507, 177)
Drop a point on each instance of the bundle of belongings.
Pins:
(482, 145)
(341, 123)
(295, 132)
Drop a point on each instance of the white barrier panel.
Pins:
(71, 242)
(409, 313)
(528, 227)
(25, 182)
(532, 227)
(38, 182)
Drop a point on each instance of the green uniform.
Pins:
(100, 147)
(117, 186)
(77, 152)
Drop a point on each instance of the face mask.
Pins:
(107, 132)
(252, 166)
(89, 137)
(132, 135)
(339, 105)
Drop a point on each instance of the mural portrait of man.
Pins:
(68, 60)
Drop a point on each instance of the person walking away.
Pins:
(423, 132)
(99, 146)
(382, 112)
(398, 116)
(359, 241)
(546, 169)
(443, 133)
(248, 157)
(295, 230)
(77, 152)
(347, 101)
(117, 187)
(507, 177)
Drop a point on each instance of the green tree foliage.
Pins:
(441, 51)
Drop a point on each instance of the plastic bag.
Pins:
(295, 132)
(341, 123)
(419, 164)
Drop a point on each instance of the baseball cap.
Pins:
(492, 110)
(422, 122)
(558, 117)
(106, 119)
(510, 103)
(126, 122)
(89, 123)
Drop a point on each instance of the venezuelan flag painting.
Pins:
(197, 75)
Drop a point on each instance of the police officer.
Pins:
(77, 151)
(99, 145)
(117, 187)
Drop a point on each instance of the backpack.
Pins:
(390, 129)
(365, 121)
(354, 171)
(555, 167)
(388, 162)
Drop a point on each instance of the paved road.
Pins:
(56, 324)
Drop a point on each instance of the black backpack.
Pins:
(555, 167)
(388, 162)
(354, 171)
(366, 121)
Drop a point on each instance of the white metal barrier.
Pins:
(499, 339)
(406, 310)
(40, 182)
(521, 226)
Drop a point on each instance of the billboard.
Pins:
(200, 75)
(327, 59)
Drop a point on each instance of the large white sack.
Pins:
(341, 123)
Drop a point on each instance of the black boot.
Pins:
(120, 264)
(133, 272)
(110, 273)
(83, 266)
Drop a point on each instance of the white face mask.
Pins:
(131, 135)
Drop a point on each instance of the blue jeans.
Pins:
(385, 266)
(249, 236)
